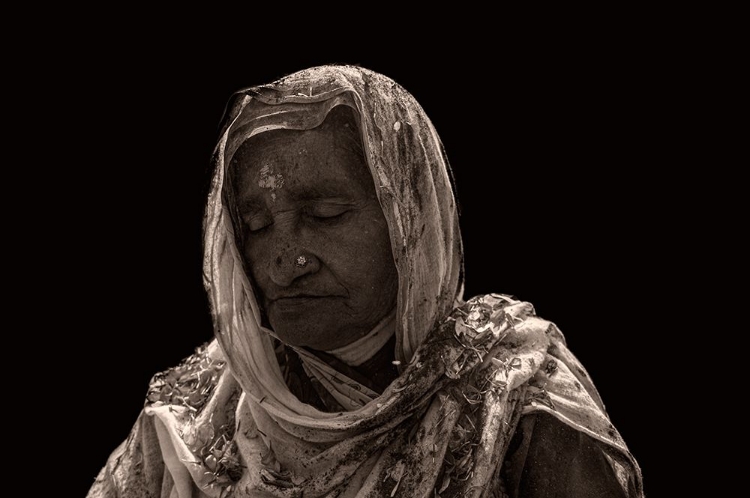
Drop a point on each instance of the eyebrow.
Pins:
(251, 204)
(328, 195)
(246, 205)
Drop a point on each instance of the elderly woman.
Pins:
(346, 362)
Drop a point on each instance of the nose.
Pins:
(290, 264)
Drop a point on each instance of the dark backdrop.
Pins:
(552, 160)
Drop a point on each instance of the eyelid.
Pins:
(328, 210)
(256, 222)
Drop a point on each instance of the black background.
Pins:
(552, 150)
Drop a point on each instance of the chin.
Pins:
(320, 337)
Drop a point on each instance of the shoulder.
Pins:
(485, 321)
(191, 382)
(482, 308)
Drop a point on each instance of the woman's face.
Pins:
(314, 236)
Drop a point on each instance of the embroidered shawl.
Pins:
(225, 423)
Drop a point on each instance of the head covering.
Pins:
(411, 176)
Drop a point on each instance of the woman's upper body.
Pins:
(346, 361)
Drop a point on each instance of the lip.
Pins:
(297, 301)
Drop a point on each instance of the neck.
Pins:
(364, 348)
(377, 372)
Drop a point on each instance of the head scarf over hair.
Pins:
(411, 175)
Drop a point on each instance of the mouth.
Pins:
(298, 301)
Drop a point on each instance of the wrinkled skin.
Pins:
(310, 193)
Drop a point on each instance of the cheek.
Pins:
(368, 260)
(256, 255)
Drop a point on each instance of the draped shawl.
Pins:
(224, 422)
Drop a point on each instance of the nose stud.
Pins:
(301, 261)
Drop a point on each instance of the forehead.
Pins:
(325, 158)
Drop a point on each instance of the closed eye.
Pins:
(257, 223)
(329, 220)
(327, 213)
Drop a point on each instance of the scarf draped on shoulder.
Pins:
(469, 370)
